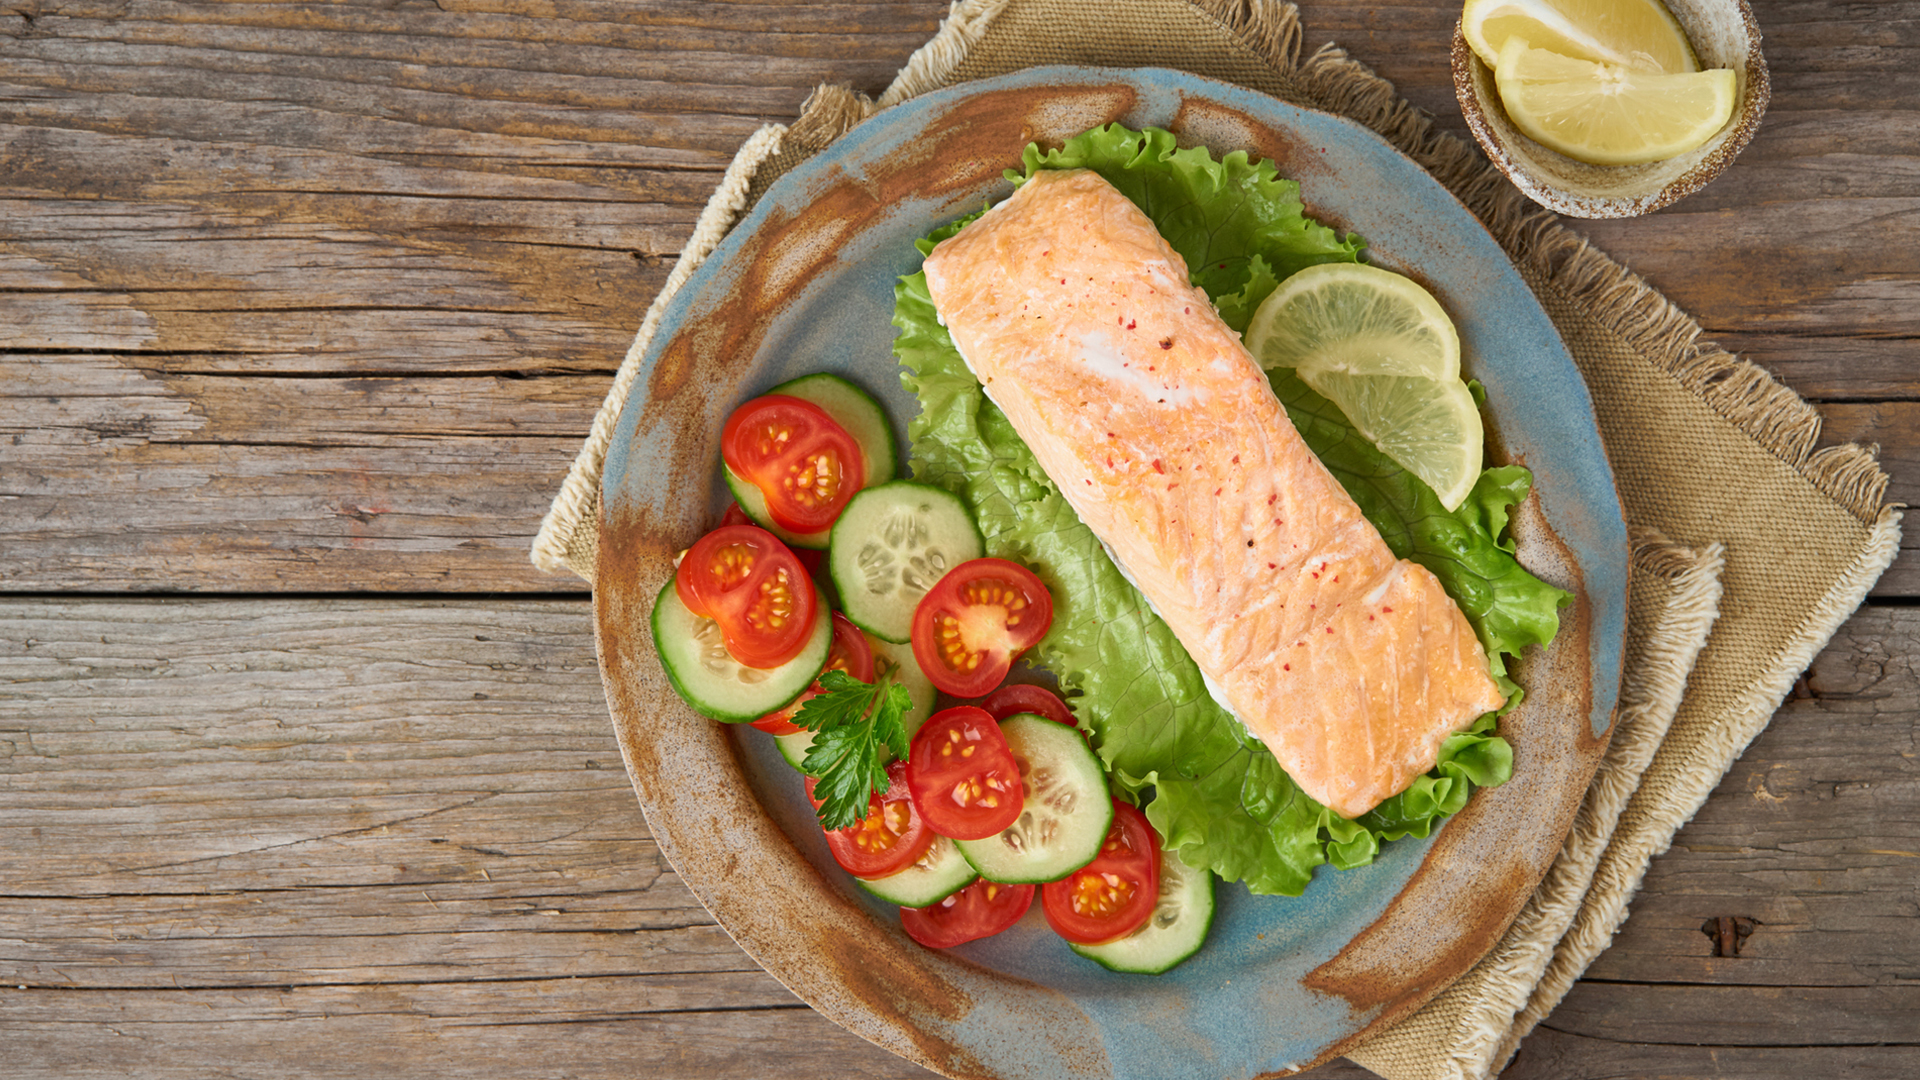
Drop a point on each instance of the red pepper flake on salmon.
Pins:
(1379, 664)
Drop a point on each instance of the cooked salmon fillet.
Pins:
(1166, 438)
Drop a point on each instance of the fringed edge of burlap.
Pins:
(1746, 395)
(1659, 810)
(1600, 859)
(568, 538)
(562, 542)
(932, 65)
(1471, 1020)
(1743, 393)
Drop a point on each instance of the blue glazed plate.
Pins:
(805, 283)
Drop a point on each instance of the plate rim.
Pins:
(608, 641)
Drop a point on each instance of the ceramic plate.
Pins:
(805, 283)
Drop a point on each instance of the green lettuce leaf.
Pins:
(1215, 794)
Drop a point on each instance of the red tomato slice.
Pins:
(734, 516)
(1113, 895)
(849, 653)
(982, 909)
(1016, 698)
(888, 839)
(800, 458)
(963, 777)
(973, 623)
(745, 579)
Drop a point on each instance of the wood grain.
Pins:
(318, 299)
(390, 820)
(1834, 903)
(1551, 1054)
(123, 474)
(364, 192)
(1893, 428)
(120, 476)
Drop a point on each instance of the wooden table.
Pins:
(303, 769)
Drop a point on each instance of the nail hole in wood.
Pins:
(1728, 933)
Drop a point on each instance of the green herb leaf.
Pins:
(852, 722)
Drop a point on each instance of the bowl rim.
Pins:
(1469, 71)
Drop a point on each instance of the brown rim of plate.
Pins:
(862, 972)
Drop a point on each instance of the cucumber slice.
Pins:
(906, 672)
(855, 410)
(938, 874)
(794, 747)
(755, 504)
(891, 544)
(1067, 810)
(715, 684)
(1176, 929)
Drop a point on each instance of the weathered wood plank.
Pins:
(92, 400)
(1743, 1015)
(706, 80)
(1831, 369)
(152, 738)
(120, 476)
(714, 1026)
(360, 188)
(379, 804)
(329, 286)
(1893, 426)
(1813, 834)
(1733, 266)
(124, 474)
(452, 514)
(1550, 1054)
(74, 142)
(612, 1028)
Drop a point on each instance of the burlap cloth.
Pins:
(1735, 516)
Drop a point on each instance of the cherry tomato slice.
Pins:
(982, 909)
(963, 777)
(888, 839)
(849, 653)
(800, 458)
(975, 621)
(745, 579)
(1016, 698)
(734, 516)
(1113, 895)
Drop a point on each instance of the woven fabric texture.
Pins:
(1750, 547)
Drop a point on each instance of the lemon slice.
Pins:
(1609, 115)
(1382, 349)
(1431, 427)
(1357, 319)
(1637, 34)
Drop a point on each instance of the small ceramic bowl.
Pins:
(1723, 34)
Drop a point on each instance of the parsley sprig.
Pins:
(851, 721)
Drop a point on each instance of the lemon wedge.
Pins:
(1605, 114)
(1431, 427)
(1357, 319)
(1637, 34)
(1382, 349)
